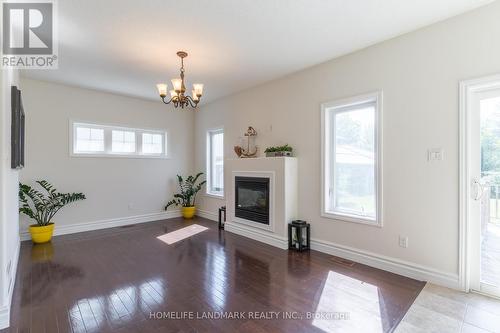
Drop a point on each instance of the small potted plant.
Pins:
(187, 196)
(285, 150)
(42, 207)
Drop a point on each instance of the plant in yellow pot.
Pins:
(186, 198)
(42, 206)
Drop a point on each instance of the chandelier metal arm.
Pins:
(163, 100)
(191, 101)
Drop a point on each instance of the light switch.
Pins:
(435, 154)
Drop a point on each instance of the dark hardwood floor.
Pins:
(120, 279)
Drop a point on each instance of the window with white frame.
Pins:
(89, 139)
(215, 162)
(122, 141)
(152, 143)
(352, 159)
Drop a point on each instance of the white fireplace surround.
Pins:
(283, 197)
(256, 174)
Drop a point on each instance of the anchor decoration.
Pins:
(246, 153)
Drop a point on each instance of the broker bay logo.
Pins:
(28, 35)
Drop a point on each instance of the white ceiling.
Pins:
(126, 46)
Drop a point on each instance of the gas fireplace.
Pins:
(252, 199)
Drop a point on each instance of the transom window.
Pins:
(352, 159)
(104, 140)
(215, 162)
(89, 139)
(122, 141)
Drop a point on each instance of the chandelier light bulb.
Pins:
(162, 89)
(177, 83)
(197, 89)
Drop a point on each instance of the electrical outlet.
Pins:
(435, 154)
(403, 242)
(130, 206)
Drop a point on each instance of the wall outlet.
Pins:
(435, 154)
(403, 241)
(130, 206)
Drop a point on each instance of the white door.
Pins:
(484, 187)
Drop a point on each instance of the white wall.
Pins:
(419, 74)
(9, 217)
(110, 184)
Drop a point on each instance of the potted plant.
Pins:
(42, 207)
(186, 198)
(285, 150)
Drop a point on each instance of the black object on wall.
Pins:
(17, 129)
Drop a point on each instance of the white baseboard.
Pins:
(261, 236)
(108, 223)
(208, 215)
(389, 264)
(5, 310)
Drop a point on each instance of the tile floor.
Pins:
(439, 309)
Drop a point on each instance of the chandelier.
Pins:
(177, 95)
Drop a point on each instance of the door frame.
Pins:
(467, 89)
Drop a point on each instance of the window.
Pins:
(122, 141)
(112, 141)
(89, 139)
(215, 162)
(152, 143)
(352, 159)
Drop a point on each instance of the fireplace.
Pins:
(252, 199)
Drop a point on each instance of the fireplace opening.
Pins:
(252, 199)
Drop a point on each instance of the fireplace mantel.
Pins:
(283, 184)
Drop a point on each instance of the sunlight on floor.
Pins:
(341, 297)
(178, 235)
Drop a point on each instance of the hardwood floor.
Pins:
(126, 280)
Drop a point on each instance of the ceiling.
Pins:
(126, 47)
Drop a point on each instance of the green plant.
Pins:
(43, 206)
(278, 148)
(189, 188)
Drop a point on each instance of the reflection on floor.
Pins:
(490, 255)
(442, 310)
(127, 280)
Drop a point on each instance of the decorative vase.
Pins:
(41, 234)
(188, 212)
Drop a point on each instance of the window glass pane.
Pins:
(216, 168)
(152, 143)
(89, 140)
(354, 190)
(122, 141)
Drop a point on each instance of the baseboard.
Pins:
(389, 264)
(108, 223)
(5, 310)
(261, 236)
(208, 215)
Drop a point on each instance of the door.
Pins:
(484, 191)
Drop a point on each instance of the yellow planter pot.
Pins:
(41, 234)
(188, 212)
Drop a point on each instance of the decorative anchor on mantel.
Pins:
(245, 153)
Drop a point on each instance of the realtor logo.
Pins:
(28, 35)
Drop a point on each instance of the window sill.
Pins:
(215, 196)
(352, 219)
(161, 157)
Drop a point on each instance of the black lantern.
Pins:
(299, 235)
